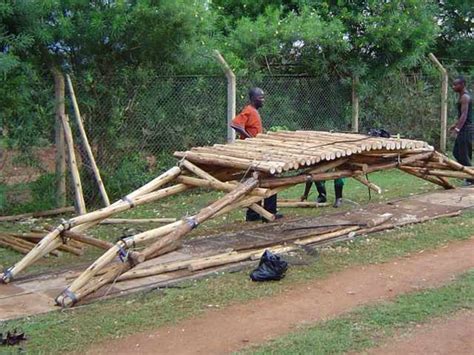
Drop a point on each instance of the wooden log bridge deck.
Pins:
(249, 171)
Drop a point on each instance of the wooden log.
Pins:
(363, 180)
(13, 246)
(401, 224)
(159, 181)
(327, 166)
(60, 161)
(124, 205)
(223, 186)
(304, 204)
(433, 180)
(52, 240)
(330, 152)
(319, 141)
(378, 220)
(102, 244)
(264, 157)
(262, 212)
(215, 159)
(455, 165)
(87, 146)
(76, 179)
(37, 214)
(49, 243)
(198, 171)
(315, 156)
(137, 221)
(298, 179)
(301, 159)
(443, 173)
(72, 295)
(203, 215)
(154, 270)
(22, 243)
(325, 236)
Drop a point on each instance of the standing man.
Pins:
(463, 128)
(248, 124)
(322, 196)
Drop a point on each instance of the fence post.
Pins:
(355, 103)
(59, 137)
(85, 141)
(231, 93)
(444, 102)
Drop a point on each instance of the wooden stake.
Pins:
(80, 204)
(85, 140)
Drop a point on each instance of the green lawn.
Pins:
(373, 325)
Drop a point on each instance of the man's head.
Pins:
(459, 84)
(257, 97)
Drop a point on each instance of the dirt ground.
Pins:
(447, 336)
(241, 325)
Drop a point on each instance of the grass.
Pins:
(58, 331)
(375, 324)
(394, 183)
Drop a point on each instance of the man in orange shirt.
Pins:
(248, 124)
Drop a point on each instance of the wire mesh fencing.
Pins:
(134, 126)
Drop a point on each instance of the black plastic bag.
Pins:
(374, 132)
(271, 267)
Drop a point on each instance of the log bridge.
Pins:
(249, 171)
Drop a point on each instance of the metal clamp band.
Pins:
(192, 222)
(129, 201)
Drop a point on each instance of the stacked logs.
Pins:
(248, 172)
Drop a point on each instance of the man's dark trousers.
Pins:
(270, 204)
(462, 150)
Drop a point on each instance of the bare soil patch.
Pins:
(447, 336)
(241, 325)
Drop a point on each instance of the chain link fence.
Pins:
(135, 126)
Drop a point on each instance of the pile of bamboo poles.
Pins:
(248, 172)
(277, 152)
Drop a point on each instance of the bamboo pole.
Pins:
(414, 172)
(137, 221)
(37, 214)
(231, 94)
(454, 164)
(85, 140)
(80, 223)
(198, 171)
(223, 186)
(80, 204)
(304, 204)
(241, 163)
(59, 137)
(49, 243)
(203, 215)
(71, 296)
(363, 180)
(444, 101)
(355, 103)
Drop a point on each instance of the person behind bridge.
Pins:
(463, 128)
(321, 187)
(248, 124)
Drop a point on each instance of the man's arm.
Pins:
(462, 118)
(241, 130)
(307, 188)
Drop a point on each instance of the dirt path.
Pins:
(451, 336)
(240, 325)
